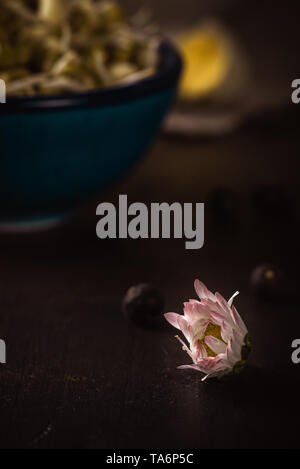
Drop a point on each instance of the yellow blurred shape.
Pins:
(206, 57)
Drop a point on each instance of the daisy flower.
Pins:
(217, 339)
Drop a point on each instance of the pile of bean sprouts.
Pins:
(67, 46)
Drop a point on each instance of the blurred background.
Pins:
(78, 373)
(263, 37)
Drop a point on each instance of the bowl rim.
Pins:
(166, 76)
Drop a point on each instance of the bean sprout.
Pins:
(66, 46)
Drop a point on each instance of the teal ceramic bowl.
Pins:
(58, 151)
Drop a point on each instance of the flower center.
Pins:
(215, 331)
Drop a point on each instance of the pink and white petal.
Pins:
(198, 330)
(216, 345)
(233, 352)
(230, 301)
(226, 331)
(202, 368)
(184, 327)
(226, 310)
(202, 291)
(220, 372)
(238, 338)
(216, 364)
(218, 319)
(210, 363)
(203, 352)
(172, 318)
(221, 367)
(203, 310)
(193, 301)
(238, 320)
(222, 302)
(191, 312)
(186, 367)
(209, 375)
(198, 351)
(213, 306)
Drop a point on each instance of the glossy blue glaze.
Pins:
(52, 160)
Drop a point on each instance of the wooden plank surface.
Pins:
(79, 375)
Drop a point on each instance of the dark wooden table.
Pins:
(78, 375)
